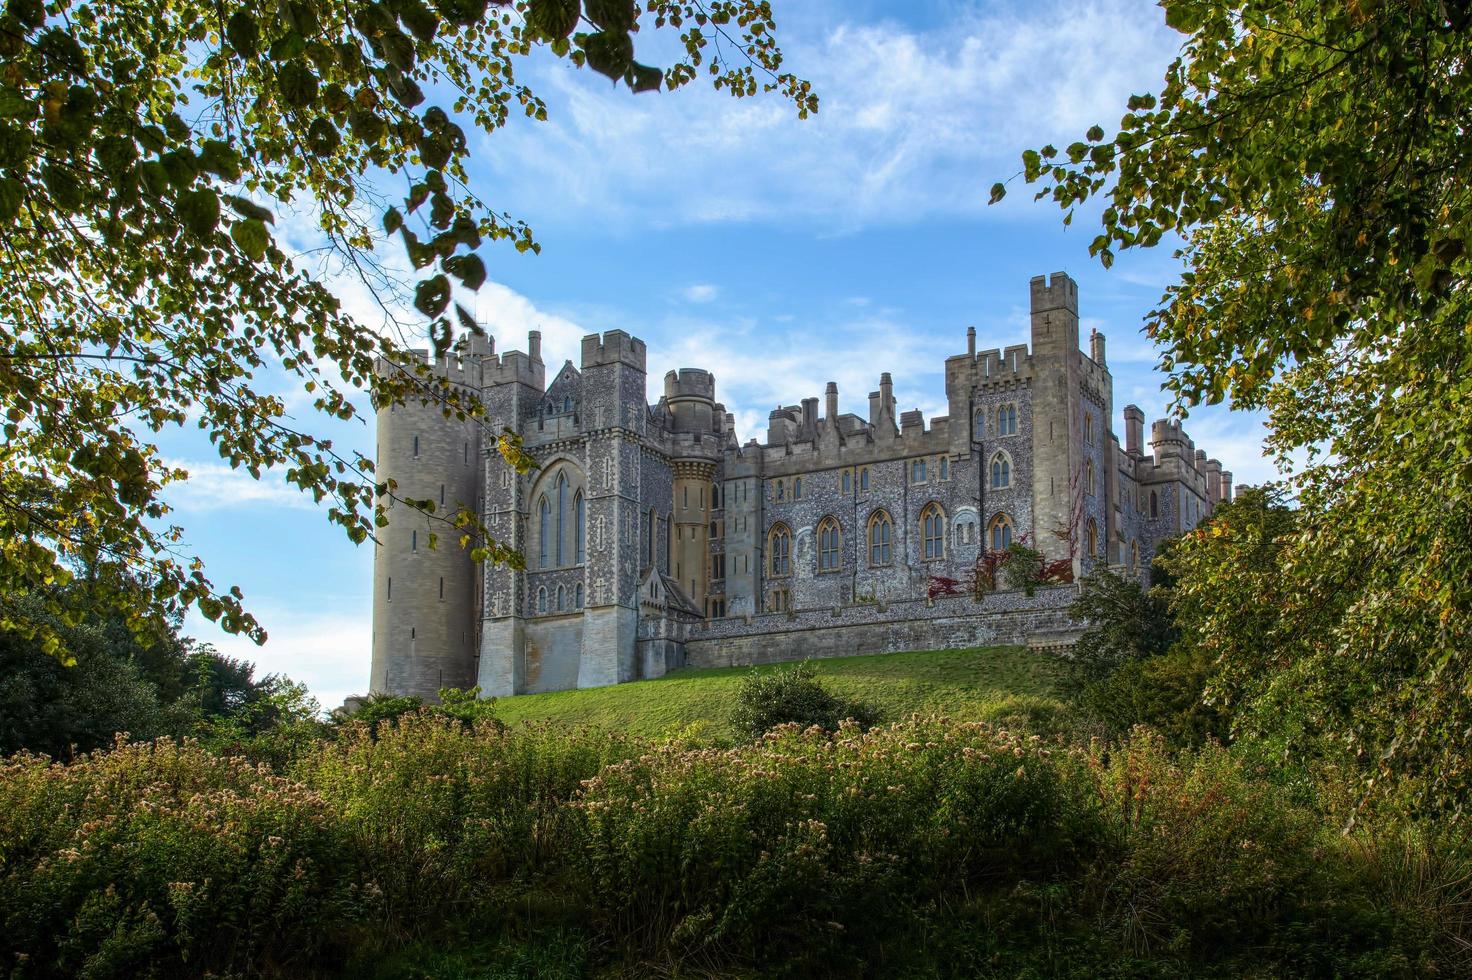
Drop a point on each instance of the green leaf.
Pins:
(469, 269)
(432, 296)
(199, 211)
(298, 84)
(392, 220)
(609, 53)
(243, 34)
(252, 237)
(999, 191)
(247, 208)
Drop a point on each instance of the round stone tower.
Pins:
(424, 597)
(690, 395)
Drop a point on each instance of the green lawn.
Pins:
(982, 684)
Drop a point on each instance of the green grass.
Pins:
(1005, 684)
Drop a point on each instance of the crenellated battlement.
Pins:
(690, 383)
(613, 347)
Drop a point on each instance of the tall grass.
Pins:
(923, 848)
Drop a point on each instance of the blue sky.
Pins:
(779, 254)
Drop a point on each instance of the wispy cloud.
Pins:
(914, 123)
(216, 486)
(700, 292)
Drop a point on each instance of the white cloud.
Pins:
(913, 123)
(329, 651)
(215, 486)
(701, 292)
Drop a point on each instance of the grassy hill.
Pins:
(982, 684)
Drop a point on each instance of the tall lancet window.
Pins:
(561, 513)
(544, 528)
(579, 527)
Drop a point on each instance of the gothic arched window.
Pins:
(830, 545)
(933, 532)
(1089, 477)
(945, 468)
(561, 515)
(1001, 471)
(544, 528)
(864, 478)
(1001, 532)
(779, 550)
(881, 538)
(1134, 555)
(1007, 420)
(577, 596)
(847, 482)
(542, 600)
(1154, 505)
(1091, 538)
(579, 527)
(979, 425)
(561, 598)
(797, 488)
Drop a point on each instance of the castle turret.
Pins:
(1167, 441)
(695, 452)
(1134, 430)
(1057, 441)
(424, 582)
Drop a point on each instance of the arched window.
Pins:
(561, 514)
(830, 545)
(1001, 471)
(544, 528)
(848, 482)
(881, 538)
(1089, 477)
(779, 550)
(1007, 420)
(917, 471)
(864, 478)
(1088, 429)
(1001, 532)
(669, 544)
(567, 404)
(1134, 555)
(1154, 505)
(542, 600)
(649, 538)
(1091, 538)
(945, 468)
(561, 598)
(781, 490)
(797, 488)
(933, 532)
(577, 596)
(715, 496)
(978, 428)
(579, 527)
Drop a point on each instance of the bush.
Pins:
(793, 695)
(165, 858)
(437, 812)
(1167, 693)
(815, 851)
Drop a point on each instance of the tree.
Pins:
(1313, 161)
(144, 145)
(1125, 622)
(1312, 158)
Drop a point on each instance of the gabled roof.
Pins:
(659, 591)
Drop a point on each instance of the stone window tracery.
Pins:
(779, 550)
(881, 539)
(1001, 471)
(1007, 420)
(932, 532)
(830, 545)
(1001, 532)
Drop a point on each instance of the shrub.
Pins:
(1216, 865)
(1167, 693)
(165, 858)
(436, 811)
(813, 851)
(793, 695)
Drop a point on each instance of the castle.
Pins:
(650, 532)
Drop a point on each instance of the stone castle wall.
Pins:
(947, 622)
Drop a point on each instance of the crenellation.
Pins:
(652, 535)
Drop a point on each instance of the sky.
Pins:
(779, 254)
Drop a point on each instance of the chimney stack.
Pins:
(831, 409)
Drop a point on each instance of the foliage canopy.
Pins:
(146, 147)
(1313, 159)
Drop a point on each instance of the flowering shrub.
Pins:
(435, 811)
(805, 847)
(165, 856)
